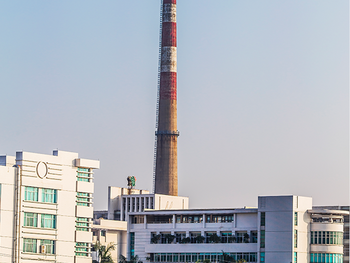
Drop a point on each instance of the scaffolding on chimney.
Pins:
(158, 91)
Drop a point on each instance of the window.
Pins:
(262, 256)
(295, 238)
(49, 196)
(31, 194)
(29, 245)
(103, 233)
(327, 237)
(262, 238)
(81, 249)
(219, 218)
(49, 246)
(239, 237)
(326, 257)
(82, 224)
(295, 218)
(132, 244)
(83, 175)
(48, 221)
(295, 257)
(262, 219)
(254, 237)
(30, 219)
(83, 199)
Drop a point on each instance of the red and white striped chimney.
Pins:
(167, 133)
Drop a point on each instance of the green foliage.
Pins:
(200, 239)
(155, 239)
(104, 252)
(169, 238)
(214, 238)
(186, 240)
(133, 259)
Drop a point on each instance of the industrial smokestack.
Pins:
(167, 133)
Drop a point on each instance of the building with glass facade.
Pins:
(46, 207)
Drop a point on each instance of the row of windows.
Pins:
(31, 245)
(210, 237)
(219, 218)
(327, 220)
(47, 195)
(327, 237)
(200, 257)
(136, 204)
(83, 199)
(82, 249)
(326, 258)
(32, 219)
(82, 224)
(84, 175)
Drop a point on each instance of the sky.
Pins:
(263, 93)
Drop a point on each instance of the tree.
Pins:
(200, 239)
(155, 239)
(133, 259)
(104, 252)
(214, 238)
(170, 238)
(186, 240)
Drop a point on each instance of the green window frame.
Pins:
(31, 193)
(48, 221)
(30, 219)
(49, 195)
(30, 245)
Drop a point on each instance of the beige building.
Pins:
(46, 207)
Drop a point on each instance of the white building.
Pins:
(46, 207)
(282, 229)
(121, 202)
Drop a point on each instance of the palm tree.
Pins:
(104, 252)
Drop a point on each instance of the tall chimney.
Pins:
(167, 133)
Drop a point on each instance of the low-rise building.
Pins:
(281, 229)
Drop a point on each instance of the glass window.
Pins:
(30, 219)
(49, 196)
(295, 238)
(49, 246)
(262, 238)
(295, 218)
(295, 257)
(31, 194)
(262, 219)
(262, 256)
(29, 245)
(48, 221)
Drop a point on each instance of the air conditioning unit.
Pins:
(43, 249)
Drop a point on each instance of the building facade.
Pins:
(46, 207)
(110, 226)
(282, 229)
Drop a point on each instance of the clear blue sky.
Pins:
(263, 98)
